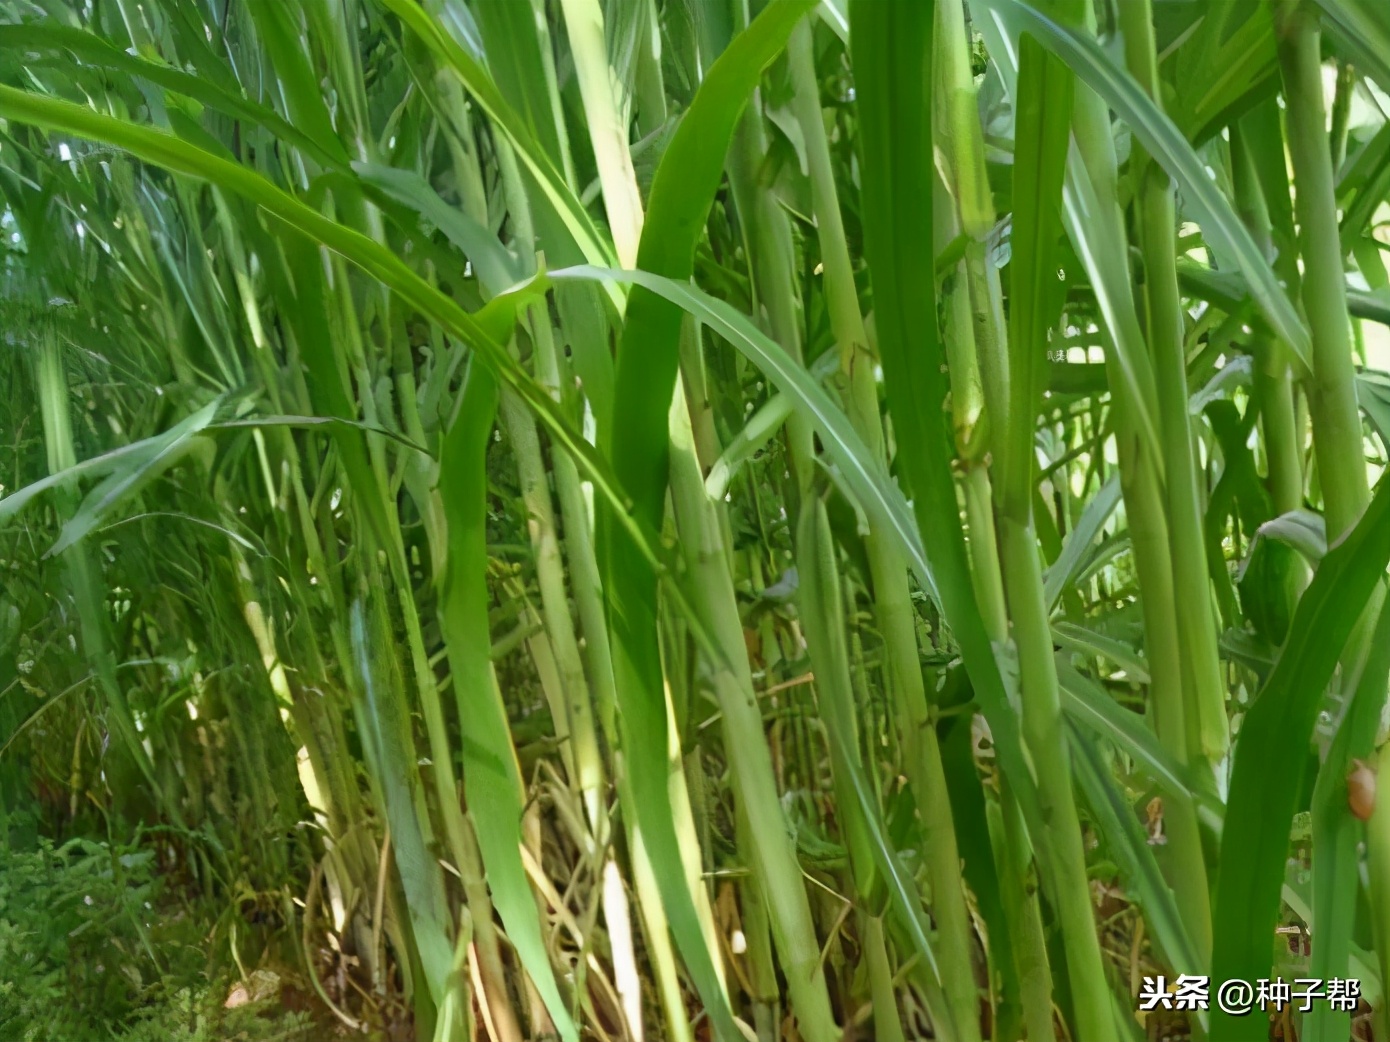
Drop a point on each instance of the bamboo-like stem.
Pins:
(1156, 221)
(1273, 373)
(606, 114)
(581, 751)
(773, 854)
(1338, 446)
(976, 323)
(1042, 730)
(1023, 585)
(888, 571)
(1168, 531)
(607, 121)
(1184, 865)
(1331, 388)
(888, 1026)
(768, 243)
(1019, 896)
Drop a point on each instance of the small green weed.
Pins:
(89, 952)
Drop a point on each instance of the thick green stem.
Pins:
(888, 1027)
(888, 570)
(1187, 547)
(768, 243)
(1273, 375)
(774, 853)
(1150, 537)
(1019, 896)
(1043, 107)
(974, 212)
(606, 118)
(1331, 388)
(581, 752)
(1339, 450)
(1042, 730)
(1171, 530)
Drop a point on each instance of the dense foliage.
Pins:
(688, 519)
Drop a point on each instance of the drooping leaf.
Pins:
(1067, 566)
(638, 447)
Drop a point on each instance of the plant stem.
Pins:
(774, 855)
(1331, 388)
(1273, 374)
(888, 1026)
(888, 571)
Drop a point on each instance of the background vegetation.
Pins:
(621, 519)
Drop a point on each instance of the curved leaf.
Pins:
(1129, 847)
(681, 195)
(99, 52)
(480, 332)
(479, 83)
(880, 497)
(1363, 28)
(1165, 142)
(1276, 730)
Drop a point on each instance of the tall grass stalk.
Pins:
(914, 597)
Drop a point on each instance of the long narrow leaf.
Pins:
(1276, 730)
(491, 775)
(1170, 149)
(681, 196)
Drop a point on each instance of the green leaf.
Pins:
(1220, 67)
(134, 456)
(872, 858)
(1302, 530)
(498, 268)
(1276, 731)
(1085, 703)
(1373, 395)
(99, 52)
(888, 43)
(1069, 563)
(492, 779)
(1042, 125)
(480, 332)
(1165, 143)
(277, 25)
(1337, 833)
(638, 445)
(1128, 846)
(391, 754)
(855, 465)
(1088, 642)
(1099, 240)
(517, 129)
(1363, 28)
(125, 479)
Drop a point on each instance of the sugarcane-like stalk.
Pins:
(1043, 99)
(1274, 375)
(888, 571)
(774, 854)
(1188, 583)
(1338, 444)
(1331, 388)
